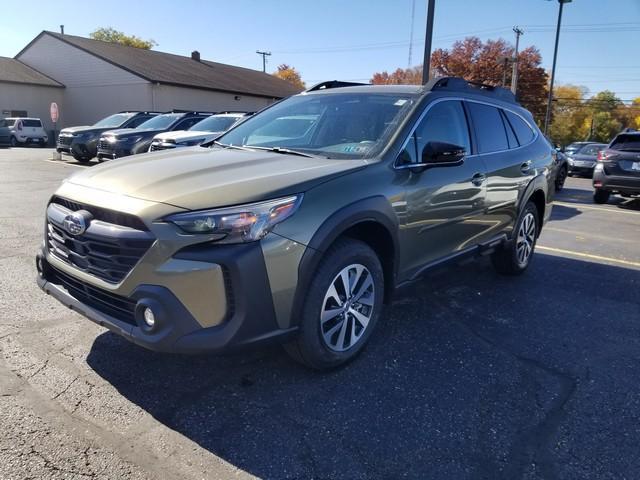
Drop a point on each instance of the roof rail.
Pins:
(457, 84)
(334, 84)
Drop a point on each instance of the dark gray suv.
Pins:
(299, 223)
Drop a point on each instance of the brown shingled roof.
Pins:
(14, 71)
(170, 69)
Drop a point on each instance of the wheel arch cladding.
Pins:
(538, 199)
(372, 221)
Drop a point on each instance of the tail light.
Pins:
(607, 155)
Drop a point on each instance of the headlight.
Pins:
(244, 223)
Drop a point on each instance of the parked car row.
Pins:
(17, 131)
(129, 133)
(618, 168)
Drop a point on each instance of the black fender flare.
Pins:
(539, 182)
(373, 209)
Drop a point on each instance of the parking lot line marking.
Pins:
(614, 210)
(588, 255)
(62, 162)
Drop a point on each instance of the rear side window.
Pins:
(31, 123)
(444, 122)
(523, 131)
(513, 142)
(489, 127)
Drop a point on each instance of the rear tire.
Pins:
(515, 256)
(335, 324)
(14, 142)
(601, 196)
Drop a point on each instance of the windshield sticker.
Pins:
(400, 102)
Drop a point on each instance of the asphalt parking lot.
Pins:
(469, 375)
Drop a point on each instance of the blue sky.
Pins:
(352, 39)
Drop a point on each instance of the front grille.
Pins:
(121, 308)
(104, 145)
(105, 250)
(65, 140)
(103, 214)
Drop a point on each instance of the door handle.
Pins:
(478, 179)
(525, 167)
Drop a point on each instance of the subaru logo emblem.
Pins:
(76, 223)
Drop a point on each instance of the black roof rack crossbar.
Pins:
(334, 84)
(457, 84)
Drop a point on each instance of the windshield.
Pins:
(114, 120)
(160, 122)
(214, 124)
(333, 125)
(626, 142)
(592, 149)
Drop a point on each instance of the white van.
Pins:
(25, 130)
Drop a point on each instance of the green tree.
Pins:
(291, 75)
(108, 34)
(605, 126)
(571, 117)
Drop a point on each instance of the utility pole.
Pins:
(264, 59)
(413, 15)
(426, 62)
(553, 67)
(514, 76)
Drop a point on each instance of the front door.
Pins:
(445, 205)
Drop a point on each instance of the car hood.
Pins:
(185, 135)
(76, 130)
(131, 132)
(196, 177)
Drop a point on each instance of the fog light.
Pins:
(149, 317)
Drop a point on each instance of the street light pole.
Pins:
(426, 62)
(553, 67)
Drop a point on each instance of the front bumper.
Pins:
(78, 149)
(250, 316)
(581, 170)
(113, 151)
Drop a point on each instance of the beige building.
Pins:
(95, 79)
(27, 92)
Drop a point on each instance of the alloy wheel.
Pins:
(526, 239)
(347, 307)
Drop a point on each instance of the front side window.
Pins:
(114, 121)
(160, 122)
(489, 127)
(332, 125)
(444, 122)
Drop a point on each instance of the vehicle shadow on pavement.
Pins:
(562, 212)
(469, 375)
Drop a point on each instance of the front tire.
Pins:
(342, 306)
(515, 256)
(601, 196)
(14, 142)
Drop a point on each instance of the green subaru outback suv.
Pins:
(298, 224)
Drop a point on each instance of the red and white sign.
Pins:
(53, 110)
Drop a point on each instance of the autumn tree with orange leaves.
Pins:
(483, 62)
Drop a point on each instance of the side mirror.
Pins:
(442, 154)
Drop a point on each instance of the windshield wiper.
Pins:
(285, 151)
(224, 145)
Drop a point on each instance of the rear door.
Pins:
(444, 205)
(502, 137)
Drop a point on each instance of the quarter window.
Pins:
(523, 131)
(490, 132)
(444, 122)
(513, 142)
